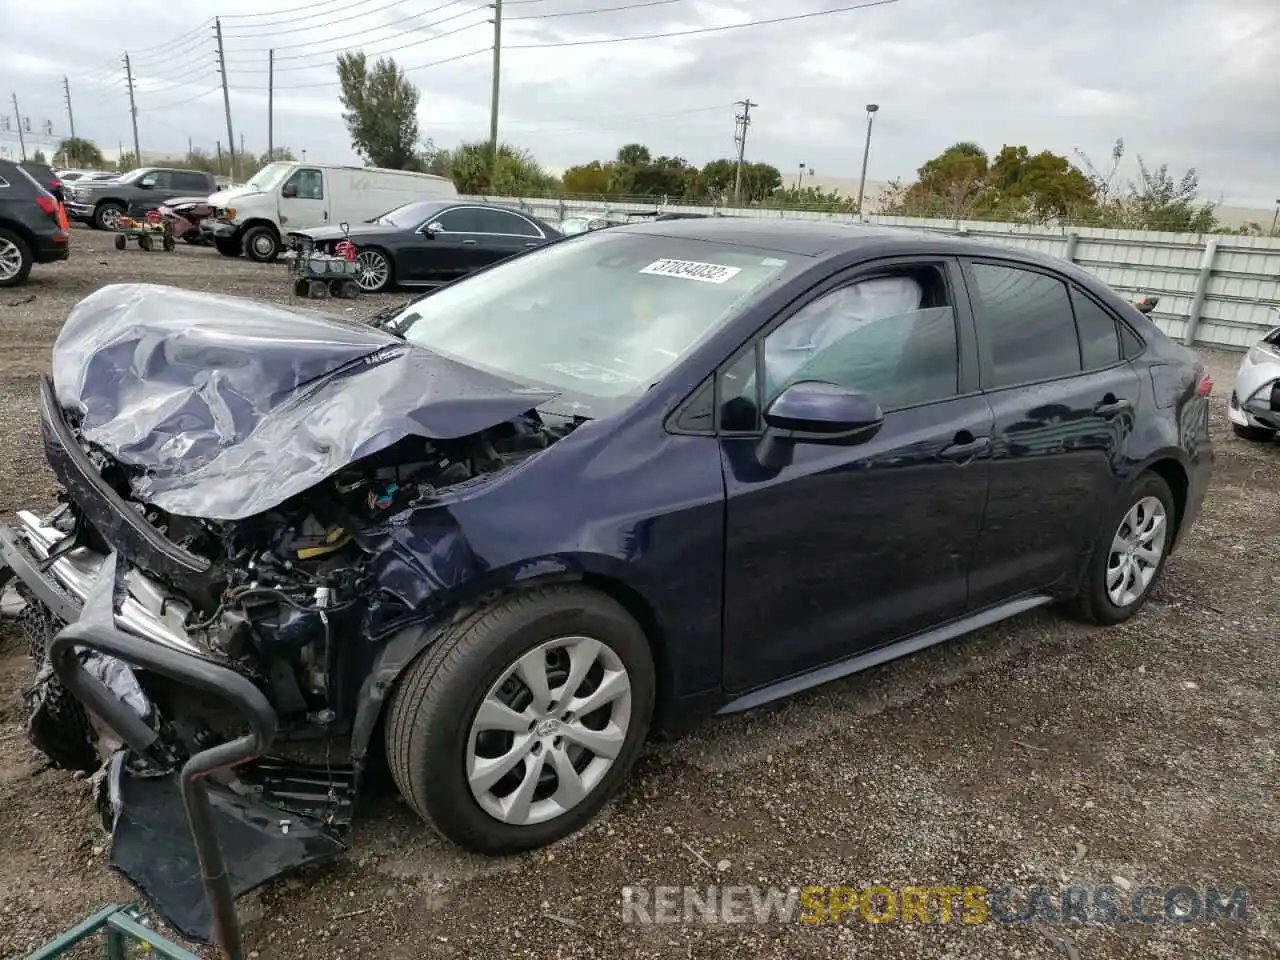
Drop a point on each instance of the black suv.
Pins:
(101, 202)
(30, 231)
(44, 175)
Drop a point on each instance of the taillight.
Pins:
(56, 185)
(47, 204)
(1205, 386)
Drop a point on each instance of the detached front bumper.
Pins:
(79, 210)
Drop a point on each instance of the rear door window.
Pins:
(1026, 327)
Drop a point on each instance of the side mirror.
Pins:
(813, 411)
(147, 182)
(434, 227)
(289, 190)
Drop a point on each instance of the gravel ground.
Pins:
(1040, 752)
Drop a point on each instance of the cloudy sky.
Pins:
(1185, 82)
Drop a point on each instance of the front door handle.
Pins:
(533, 243)
(1110, 405)
(466, 242)
(965, 448)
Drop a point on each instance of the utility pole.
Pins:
(242, 153)
(226, 95)
(872, 108)
(219, 158)
(133, 111)
(493, 99)
(66, 89)
(17, 116)
(271, 95)
(742, 121)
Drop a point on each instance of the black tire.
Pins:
(228, 246)
(1253, 434)
(370, 256)
(105, 213)
(261, 244)
(168, 243)
(145, 243)
(301, 288)
(1093, 603)
(120, 241)
(431, 712)
(14, 243)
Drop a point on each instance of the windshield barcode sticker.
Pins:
(692, 270)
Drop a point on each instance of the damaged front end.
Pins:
(254, 503)
(1255, 396)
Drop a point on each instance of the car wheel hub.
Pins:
(263, 245)
(373, 271)
(1136, 551)
(548, 730)
(10, 260)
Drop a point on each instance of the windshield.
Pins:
(600, 316)
(133, 175)
(408, 215)
(267, 178)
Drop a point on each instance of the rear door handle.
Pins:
(531, 244)
(962, 451)
(1109, 406)
(465, 242)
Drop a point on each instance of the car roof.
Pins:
(826, 239)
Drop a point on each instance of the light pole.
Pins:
(800, 179)
(866, 152)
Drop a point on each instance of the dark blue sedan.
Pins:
(600, 490)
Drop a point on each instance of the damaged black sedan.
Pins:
(601, 489)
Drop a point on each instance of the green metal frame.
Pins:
(122, 928)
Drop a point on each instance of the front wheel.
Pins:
(517, 726)
(261, 244)
(1252, 434)
(107, 214)
(375, 271)
(1130, 553)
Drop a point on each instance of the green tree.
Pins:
(759, 180)
(1155, 201)
(588, 179)
(633, 155)
(380, 110)
(471, 168)
(78, 152)
(126, 162)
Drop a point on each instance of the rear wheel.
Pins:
(1252, 434)
(1130, 553)
(15, 259)
(517, 726)
(145, 243)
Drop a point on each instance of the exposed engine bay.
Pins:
(292, 599)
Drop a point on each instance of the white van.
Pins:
(290, 195)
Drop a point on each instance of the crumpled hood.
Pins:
(232, 406)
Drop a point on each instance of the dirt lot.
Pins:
(1037, 753)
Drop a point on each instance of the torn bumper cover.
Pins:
(189, 833)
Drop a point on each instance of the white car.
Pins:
(1254, 407)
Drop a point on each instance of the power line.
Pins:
(182, 102)
(337, 83)
(357, 16)
(312, 9)
(346, 43)
(584, 13)
(700, 30)
(380, 53)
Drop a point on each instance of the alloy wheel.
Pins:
(1136, 551)
(10, 259)
(374, 271)
(110, 218)
(548, 730)
(263, 245)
